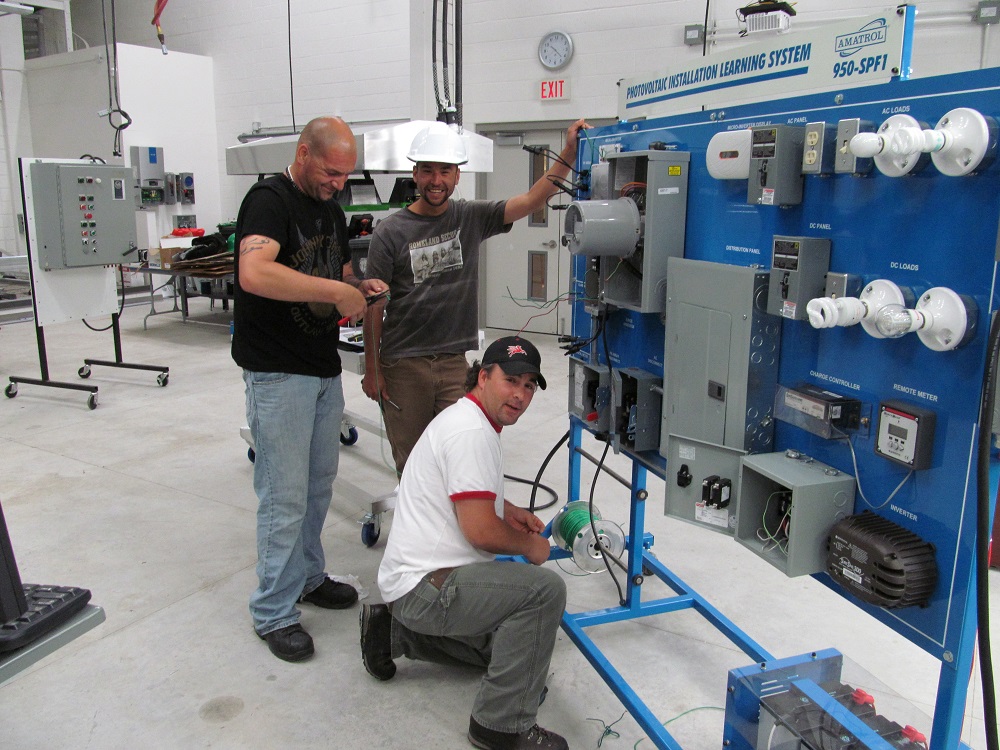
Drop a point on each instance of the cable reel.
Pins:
(573, 531)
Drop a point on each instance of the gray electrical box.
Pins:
(147, 165)
(720, 376)
(638, 406)
(170, 189)
(845, 162)
(787, 504)
(798, 274)
(185, 187)
(703, 483)
(84, 214)
(819, 148)
(775, 165)
(590, 394)
(658, 182)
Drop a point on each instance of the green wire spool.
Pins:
(573, 532)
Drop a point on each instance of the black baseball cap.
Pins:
(516, 356)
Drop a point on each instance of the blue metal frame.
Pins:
(638, 559)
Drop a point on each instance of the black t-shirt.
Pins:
(270, 335)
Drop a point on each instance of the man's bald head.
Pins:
(325, 156)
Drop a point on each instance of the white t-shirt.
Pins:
(457, 458)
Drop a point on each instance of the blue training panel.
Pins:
(919, 231)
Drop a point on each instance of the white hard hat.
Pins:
(438, 142)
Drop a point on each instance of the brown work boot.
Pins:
(535, 738)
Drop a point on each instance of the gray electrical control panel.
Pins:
(798, 274)
(638, 406)
(590, 394)
(658, 182)
(84, 214)
(775, 165)
(787, 504)
(720, 375)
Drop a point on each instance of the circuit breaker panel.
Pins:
(84, 214)
(721, 369)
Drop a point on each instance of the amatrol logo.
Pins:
(872, 33)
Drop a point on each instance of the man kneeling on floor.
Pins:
(449, 600)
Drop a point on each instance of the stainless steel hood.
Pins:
(380, 149)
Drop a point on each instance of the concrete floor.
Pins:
(148, 502)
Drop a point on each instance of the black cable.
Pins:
(541, 470)
(704, 30)
(121, 305)
(983, 534)
(114, 96)
(458, 62)
(534, 486)
(444, 52)
(593, 526)
(545, 151)
(291, 84)
(434, 59)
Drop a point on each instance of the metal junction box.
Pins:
(720, 375)
(658, 182)
(84, 214)
(775, 165)
(788, 503)
(798, 274)
(638, 406)
(590, 394)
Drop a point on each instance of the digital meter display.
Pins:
(905, 434)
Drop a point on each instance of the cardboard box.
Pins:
(169, 248)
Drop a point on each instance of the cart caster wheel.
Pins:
(84, 372)
(350, 439)
(369, 534)
(10, 391)
(162, 379)
(252, 455)
(92, 401)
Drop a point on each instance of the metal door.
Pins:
(527, 269)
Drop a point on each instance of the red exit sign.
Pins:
(557, 88)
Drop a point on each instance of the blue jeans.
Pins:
(499, 616)
(295, 424)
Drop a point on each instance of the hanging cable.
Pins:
(541, 470)
(291, 83)
(114, 99)
(444, 53)
(704, 30)
(158, 7)
(434, 59)
(983, 533)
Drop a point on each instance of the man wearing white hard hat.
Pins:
(415, 361)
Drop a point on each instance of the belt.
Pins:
(436, 578)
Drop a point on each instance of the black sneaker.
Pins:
(376, 641)
(331, 595)
(535, 738)
(292, 643)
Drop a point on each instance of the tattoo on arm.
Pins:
(254, 242)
